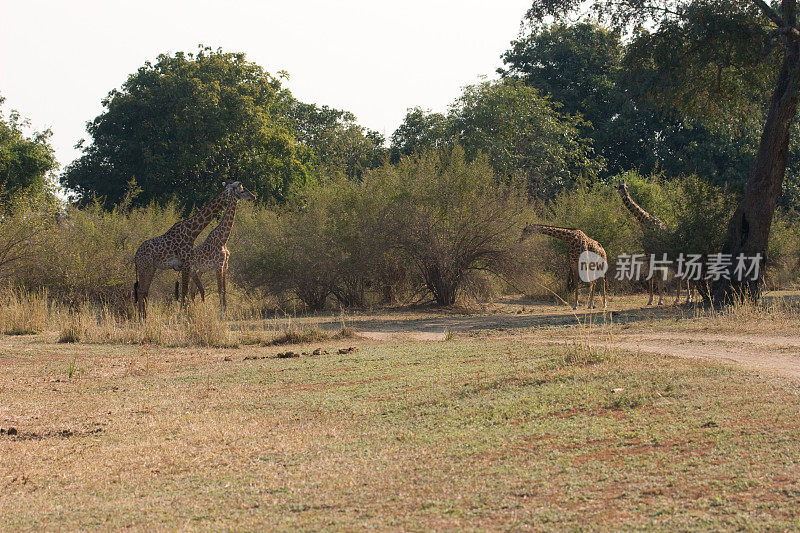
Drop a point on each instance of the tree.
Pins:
(336, 140)
(25, 161)
(421, 130)
(523, 133)
(711, 47)
(450, 217)
(180, 126)
(587, 68)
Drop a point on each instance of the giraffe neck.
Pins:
(197, 223)
(564, 234)
(219, 236)
(643, 217)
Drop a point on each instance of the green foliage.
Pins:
(452, 218)
(710, 63)
(699, 215)
(598, 212)
(179, 126)
(523, 134)
(783, 254)
(25, 161)
(587, 68)
(420, 131)
(336, 140)
(576, 64)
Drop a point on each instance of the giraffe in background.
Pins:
(655, 232)
(173, 249)
(578, 243)
(213, 253)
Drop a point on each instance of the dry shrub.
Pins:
(298, 335)
(25, 313)
(197, 325)
(77, 327)
(204, 327)
(87, 254)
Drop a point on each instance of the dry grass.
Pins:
(465, 434)
(25, 313)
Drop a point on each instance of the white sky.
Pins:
(58, 59)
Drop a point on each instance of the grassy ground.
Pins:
(469, 433)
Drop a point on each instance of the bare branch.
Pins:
(770, 13)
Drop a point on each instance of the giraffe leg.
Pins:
(661, 291)
(145, 277)
(591, 295)
(650, 285)
(678, 291)
(184, 285)
(577, 280)
(604, 292)
(221, 288)
(197, 286)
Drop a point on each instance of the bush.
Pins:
(87, 254)
(451, 218)
(24, 313)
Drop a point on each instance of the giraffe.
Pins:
(578, 243)
(173, 249)
(655, 233)
(213, 253)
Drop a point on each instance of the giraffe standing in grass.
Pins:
(173, 249)
(578, 243)
(655, 233)
(213, 253)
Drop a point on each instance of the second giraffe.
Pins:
(213, 253)
(578, 243)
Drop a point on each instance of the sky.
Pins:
(59, 59)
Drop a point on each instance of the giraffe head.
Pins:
(527, 231)
(622, 188)
(236, 191)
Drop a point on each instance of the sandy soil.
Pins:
(636, 328)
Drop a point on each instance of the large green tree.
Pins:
(522, 132)
(26, 161)
(336, 140)
(180, 125)
(587, 68)
(713, 51)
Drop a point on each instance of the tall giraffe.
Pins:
(213, 253)
(655, 233)
(578, 243)
(173, 249)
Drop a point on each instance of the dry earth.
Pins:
(771, 347)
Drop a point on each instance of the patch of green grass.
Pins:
(470, 434)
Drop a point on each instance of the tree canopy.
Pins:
(735, 63)
(26, 161)
(587, 68)
(180, 125)
(522, 132)
(336, 140)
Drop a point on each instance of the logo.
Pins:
(591, 266)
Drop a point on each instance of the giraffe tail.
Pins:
(177, 290)
(136, 291)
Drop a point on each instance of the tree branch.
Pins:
(784, 28)
(770, 13)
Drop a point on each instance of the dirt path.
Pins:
(767, 350)
(775, 353)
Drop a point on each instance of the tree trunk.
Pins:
(748, 230)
